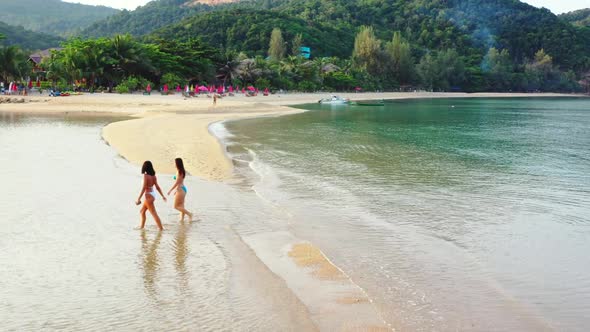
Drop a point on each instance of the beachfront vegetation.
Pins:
(387, 45)
(53, 17)
(13, 64)
(123, 60)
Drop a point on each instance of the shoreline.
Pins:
(324, 296)
(161, 128)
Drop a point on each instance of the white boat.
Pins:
(335, 100)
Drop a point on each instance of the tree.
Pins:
(400, 58)
(276, 49)
(498, 68)
(429, 72)
(296, 44)
(248, 71)
(540, 72)
(127, 55)
(452, 69)
(444, 71)
(13, 63)
(367, 51)
(229, 72)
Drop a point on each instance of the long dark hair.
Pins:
(148, 168)
(180, 167)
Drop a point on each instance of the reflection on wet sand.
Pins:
(181, 251)
(150, 263)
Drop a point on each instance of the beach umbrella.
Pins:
(165, 87)
(243, 90)
(251, 88)
(220, 89)
(178, 88)
(231, 89)
(149, 88)
(265, 90)
(203, 88)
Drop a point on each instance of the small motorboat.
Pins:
(370, 103)
(334, 100)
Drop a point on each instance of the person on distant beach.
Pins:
(214, 99)
(149, 182)
(181, 191)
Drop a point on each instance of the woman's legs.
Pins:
(143, 216)
(152, 208)
(179, 204)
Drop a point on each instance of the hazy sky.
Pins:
(556, 6)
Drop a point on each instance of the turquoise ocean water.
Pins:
(452, 214)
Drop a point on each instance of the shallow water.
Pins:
(71, 260)
(459, 214)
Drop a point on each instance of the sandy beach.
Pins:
(169, 126)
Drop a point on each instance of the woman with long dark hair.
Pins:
(149, 182)
(180, 190)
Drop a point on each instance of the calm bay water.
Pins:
(453, 214)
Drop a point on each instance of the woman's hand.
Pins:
(138, 202)
(164, 197)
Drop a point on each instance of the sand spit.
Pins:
(171, 126)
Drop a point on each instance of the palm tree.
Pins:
(95, 61)
(54, 67)
(248, 71)
(127, 55)
(13, 63)
(230, 71)
(72, 63)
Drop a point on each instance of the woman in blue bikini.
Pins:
(149, 182)
(180, 190)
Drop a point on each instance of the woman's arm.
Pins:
(142, 191)
(176, 184)
(159, 189)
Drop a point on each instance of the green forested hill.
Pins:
(145, 19)
(436, 45)
(579, 17)
(329, 27)
(51, 16)
(27, 39)
(249, 30)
